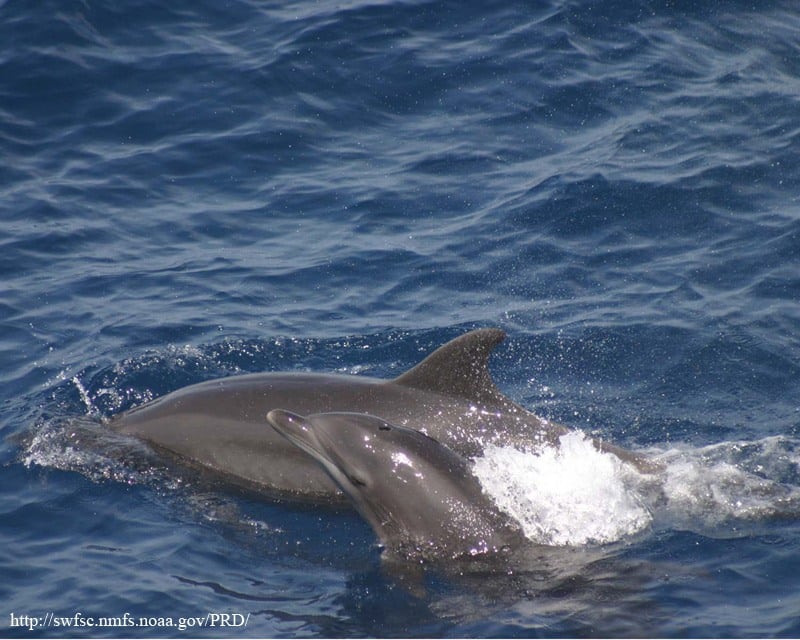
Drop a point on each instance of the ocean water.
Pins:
(191, 190)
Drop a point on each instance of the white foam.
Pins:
(569, 495)
(730, 482)
(90, 448)
(575, 495)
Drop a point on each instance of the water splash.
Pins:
(87, 446)
(91, 409)
(719, 485)
(569, 495)
(576, 495)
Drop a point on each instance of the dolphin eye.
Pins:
(384, 427)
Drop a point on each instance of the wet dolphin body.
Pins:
(219, 424)
(420, 497)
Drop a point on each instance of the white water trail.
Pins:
(576, 495)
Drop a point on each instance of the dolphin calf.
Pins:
(218, 425)
(420, 498)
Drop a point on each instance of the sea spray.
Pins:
(570, 495)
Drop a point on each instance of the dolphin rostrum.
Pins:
(420, 498)
(218, 425)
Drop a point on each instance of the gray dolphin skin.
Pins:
(420, 498)
(218, 425)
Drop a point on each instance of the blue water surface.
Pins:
(192, 190)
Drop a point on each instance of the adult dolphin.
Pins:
(420, 497)
(219, 424)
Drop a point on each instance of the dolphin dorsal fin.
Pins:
(459, 368)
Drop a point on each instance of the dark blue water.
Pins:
(190, 190)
